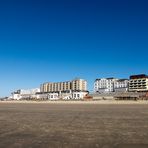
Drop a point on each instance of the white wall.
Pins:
(53, 96)
(78, 95)
(110, 85)
(104, 85)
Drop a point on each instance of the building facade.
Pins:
(67, 86)
(121, 85)
(75, 89)
(104, 85)
(78, 85)
(56, 87)
(138, 83)
(24, 94)
(107, 85)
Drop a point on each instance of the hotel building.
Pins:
(75, 89)
(56, 87)
(78, 85)
(121, 85)
(74, 85)
(107, 85)
(104, 85)
(138, 83)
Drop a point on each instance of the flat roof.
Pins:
(138, 76)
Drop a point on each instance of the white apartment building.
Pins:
(107, 85)
(121, 85)
(138, 83)
(104, 85)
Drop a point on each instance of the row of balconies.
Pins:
(138, 85)
(137, 80)
(111, 86)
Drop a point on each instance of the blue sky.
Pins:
(54, 40)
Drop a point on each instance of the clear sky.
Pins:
(58, 40)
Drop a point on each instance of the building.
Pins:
(121, 85)
(79, 95)
(75, 89)
(75, 95)
(104, 85)
(63, 86)
(107, 85)
(138, 83)
(53, 96)
(24, 94)
(41, 96)
(67, 86)
(78, 85)
(56, 87)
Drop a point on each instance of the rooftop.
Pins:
(138, 76)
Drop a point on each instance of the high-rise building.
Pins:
(67, 86)
(78, 85)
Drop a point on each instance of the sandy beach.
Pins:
(81, 102)
(74, 124)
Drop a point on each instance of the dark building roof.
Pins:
(105, 78)
(97, 79)
(120, 80)
(110, 78)
(138, 76)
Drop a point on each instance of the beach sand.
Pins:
(73, 124)
(81, 102)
